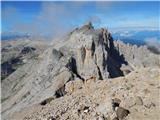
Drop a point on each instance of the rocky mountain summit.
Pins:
(79, 69)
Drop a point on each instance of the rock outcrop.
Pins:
(136, 56)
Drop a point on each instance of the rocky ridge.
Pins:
(85, 54)
(16, 53)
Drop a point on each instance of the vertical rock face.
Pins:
(94, 53)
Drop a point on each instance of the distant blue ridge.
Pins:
(138, 38)
(13, 36)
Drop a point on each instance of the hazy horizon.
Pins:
(50, 17)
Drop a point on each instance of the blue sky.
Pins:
(58, 17)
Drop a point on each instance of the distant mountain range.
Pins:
(21, 36)
(136, 37)
(13, 35)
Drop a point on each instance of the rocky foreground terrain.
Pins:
(137, 92)
(86, 75)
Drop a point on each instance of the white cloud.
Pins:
(54, 19)
(153, 44)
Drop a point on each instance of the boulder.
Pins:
(122, 113)
(72, 86)
(138, 100)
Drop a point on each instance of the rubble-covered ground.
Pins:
(137, 92)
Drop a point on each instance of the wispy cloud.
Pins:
(153, 44)
(54, 18)
(57, 18)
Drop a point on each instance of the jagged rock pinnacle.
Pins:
(84, 28)
(87, 26)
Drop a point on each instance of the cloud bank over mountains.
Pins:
(56, 18)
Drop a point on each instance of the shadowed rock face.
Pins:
(154, 50)
(57, 54)
(27, 50)
(9, 67)
(94, 53)
(6, 69)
